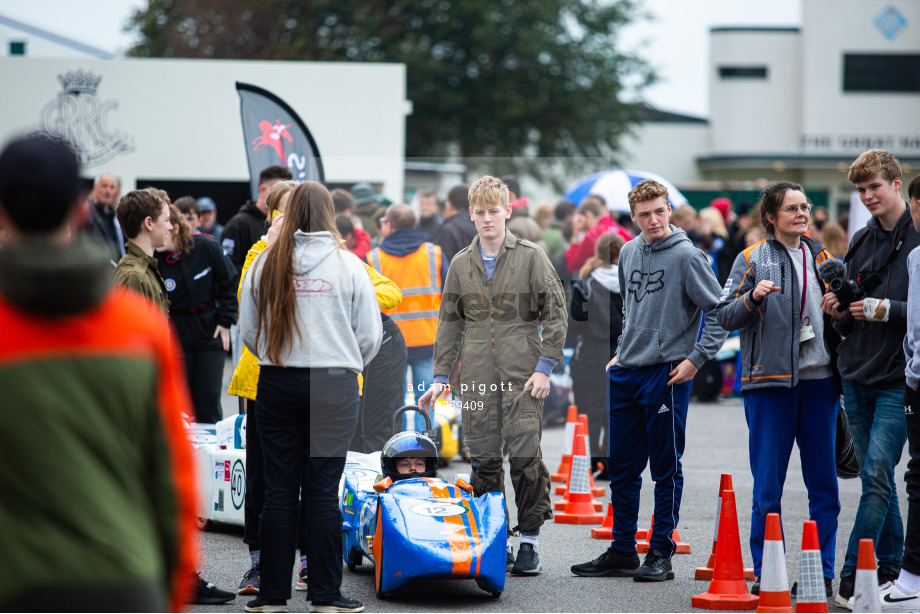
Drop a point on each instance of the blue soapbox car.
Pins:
(420, 527)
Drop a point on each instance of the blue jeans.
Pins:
(877, 426)
(422, 374)
(777, 417)
(422, 378)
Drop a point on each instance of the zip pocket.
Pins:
(753, 347)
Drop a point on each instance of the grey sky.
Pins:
(675, 41)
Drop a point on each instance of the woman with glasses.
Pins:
(789, 376)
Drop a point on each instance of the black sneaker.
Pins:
(267, 605)
(509, 560)
(828, 587)
(656, 568)
(845, 591)
(342, 604)
(885, 577)
(755, 588)
(251, 581)
(208, 594)
(610, 564)
(527, 563)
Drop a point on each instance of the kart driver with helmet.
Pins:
(409, 454)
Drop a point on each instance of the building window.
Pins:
(17, 47)
(742, 72)
(864, 72)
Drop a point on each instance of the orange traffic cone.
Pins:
(561, 503)
(605, 531)
(705, 573)
(774, 580)
(580, 508)
(811, 596)
(727, 591)
(565, 465)
(642, 544)
(866, 596)
(681, 547)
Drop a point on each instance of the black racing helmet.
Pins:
(409, 444)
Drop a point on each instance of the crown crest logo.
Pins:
(79, 81)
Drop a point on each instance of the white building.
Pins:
(176, 124)
(798, 103)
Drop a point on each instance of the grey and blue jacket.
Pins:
(770, 356)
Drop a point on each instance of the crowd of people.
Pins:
(334, 305)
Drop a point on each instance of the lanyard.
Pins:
(804, 281)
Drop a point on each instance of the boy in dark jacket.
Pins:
(871, 359)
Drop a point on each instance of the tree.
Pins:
(487, 78)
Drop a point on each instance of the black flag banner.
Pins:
(275, 135)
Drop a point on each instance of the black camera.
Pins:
(834, 273)
(847, 291)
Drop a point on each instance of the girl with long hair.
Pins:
(309, 312)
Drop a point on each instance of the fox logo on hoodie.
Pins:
(642, 284)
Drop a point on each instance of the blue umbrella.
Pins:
(614, 187)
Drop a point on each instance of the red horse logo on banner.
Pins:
(271, 137)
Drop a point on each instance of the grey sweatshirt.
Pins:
(666, 288)
(336, 308)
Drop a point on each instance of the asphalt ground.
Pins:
(716, 444)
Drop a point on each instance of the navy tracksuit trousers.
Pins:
(805, 414)
(647, 424)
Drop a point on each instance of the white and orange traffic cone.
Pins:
(561, 503)
(705, 573)
(774, 580)
(811, 595)
(866, 596)
(597, 491)
(580, 508)
(565, 465)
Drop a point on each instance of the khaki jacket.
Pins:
(138, 271)
(493, 326)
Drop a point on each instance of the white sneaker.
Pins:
(893, 600)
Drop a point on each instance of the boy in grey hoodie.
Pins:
(667, 285)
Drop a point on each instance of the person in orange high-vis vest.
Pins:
(416, 266)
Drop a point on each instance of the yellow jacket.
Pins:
(246, 375)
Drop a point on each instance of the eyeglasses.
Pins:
(793, 209)
(381, 220)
